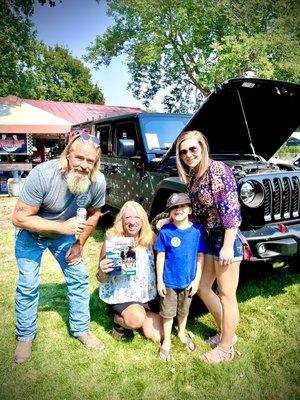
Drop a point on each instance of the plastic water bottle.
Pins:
(81, 214)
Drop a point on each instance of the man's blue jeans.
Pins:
(29, 250)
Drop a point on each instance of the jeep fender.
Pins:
(164, 190)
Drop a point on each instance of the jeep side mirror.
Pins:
(139, 165)
(126, 147)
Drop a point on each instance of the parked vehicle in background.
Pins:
(293, 142)
(245, 122)
(290, 164)
(296, 161)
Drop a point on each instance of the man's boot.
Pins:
(90, 341)
(23, 351)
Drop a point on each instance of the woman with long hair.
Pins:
(129, 296)
(213, 193)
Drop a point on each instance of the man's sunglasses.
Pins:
(192, 149)
(86, 136)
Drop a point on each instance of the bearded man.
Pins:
(45, 215)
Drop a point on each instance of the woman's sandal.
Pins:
(214, 341)
(118, 331)
(189, 345)
(218, 355)
(164, 355)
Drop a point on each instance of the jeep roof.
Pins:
(157, 131)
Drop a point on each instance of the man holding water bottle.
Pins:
(45, 216)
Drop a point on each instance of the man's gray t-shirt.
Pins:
(46, 187)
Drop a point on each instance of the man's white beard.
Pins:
(77, 183)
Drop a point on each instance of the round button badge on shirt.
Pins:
(175, 242)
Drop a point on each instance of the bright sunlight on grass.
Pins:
(61, 368)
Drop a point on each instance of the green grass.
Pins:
(61, 368)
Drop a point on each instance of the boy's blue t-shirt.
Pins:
(181, 248)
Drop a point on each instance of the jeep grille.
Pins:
(282, 196)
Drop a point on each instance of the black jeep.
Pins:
(245, 122)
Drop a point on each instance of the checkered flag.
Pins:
(29, 143)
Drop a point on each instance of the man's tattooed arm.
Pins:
(23, 214)
(22, 209)
(25, 217)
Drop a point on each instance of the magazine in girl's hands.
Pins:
(120, 250)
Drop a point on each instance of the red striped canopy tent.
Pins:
(17, 116)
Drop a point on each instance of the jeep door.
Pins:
(104, 133)
(122, 166)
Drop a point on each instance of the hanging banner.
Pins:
(14, 143)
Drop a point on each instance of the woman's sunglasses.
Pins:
(86, 136)
(192, 149)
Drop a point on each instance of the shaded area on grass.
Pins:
(263, 280)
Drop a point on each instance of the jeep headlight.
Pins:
(251, 194)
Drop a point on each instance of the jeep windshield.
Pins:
(159, 131)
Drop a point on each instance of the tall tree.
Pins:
(17, 50)
(190, 46)
(64, 78)
(30, 69)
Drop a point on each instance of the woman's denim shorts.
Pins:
(215, 240)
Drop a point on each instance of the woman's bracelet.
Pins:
(105, 277)
(98, 276)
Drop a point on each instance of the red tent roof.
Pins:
(17, 116)
(76, 113)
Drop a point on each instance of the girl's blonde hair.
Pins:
(146, 236)
(184, 171)
(63, 160)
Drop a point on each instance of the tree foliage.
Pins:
(17, 50)
(65, 78)
(26, 7)
(190, 46)
(30, 69)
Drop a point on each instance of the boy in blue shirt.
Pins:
(180, 246)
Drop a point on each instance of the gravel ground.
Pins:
(7, 204)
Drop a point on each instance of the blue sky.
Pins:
(75, 24)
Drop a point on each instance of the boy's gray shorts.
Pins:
(176, 301)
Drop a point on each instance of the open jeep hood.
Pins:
(265, 112)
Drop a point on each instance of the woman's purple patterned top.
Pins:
(214, 197)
